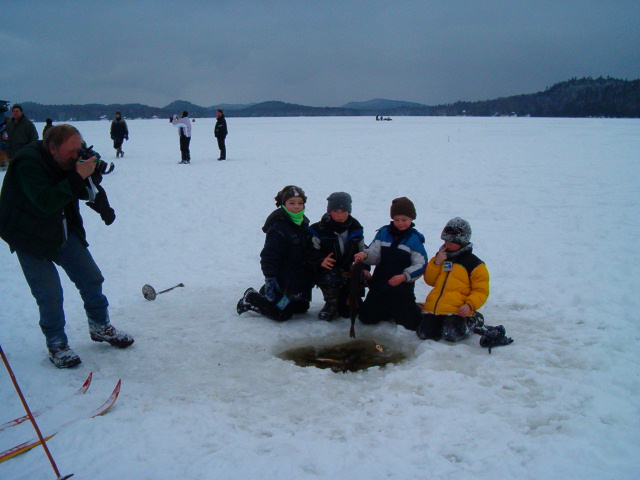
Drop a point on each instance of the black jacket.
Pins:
(38, 200)
(119, 129)
(324, 240)
(220, 129)
(283, 256)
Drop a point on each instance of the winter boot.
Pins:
(64, 357)
(109, 334)
(330, 310)
(243, 305)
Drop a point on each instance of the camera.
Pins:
(102, 167)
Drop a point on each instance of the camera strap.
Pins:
(92, 190)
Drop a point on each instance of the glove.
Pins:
(493, 337)
(272, 289)
(101, 205)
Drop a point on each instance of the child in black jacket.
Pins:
(288, 278)
(335, 239)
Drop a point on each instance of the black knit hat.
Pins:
(339, 201)
(288, 192)
(403, 206)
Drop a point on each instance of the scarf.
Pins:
(296, 218)
(336, 226)
(453, 255)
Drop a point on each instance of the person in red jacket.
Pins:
(460, 282)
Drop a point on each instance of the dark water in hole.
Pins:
(344, 357)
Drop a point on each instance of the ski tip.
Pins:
(85, 385)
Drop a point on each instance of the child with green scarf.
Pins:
(288, 275)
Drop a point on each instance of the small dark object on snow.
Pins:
(149, 293)
(346, 357)
(493, 336)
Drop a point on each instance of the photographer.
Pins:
(184, 130)
(40, 220)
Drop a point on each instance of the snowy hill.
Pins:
(554, 208)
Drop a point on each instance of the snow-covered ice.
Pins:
(554, 208)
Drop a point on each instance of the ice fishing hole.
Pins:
(350, 356)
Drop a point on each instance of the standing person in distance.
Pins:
(220, 133)
(184, 130)
(4, 159)
(40, 220)
(47, 125)
(283, 259)
(119, 133)
(18, 131)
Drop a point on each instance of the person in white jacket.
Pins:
(184, 129)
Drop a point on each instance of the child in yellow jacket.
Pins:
(460, 282)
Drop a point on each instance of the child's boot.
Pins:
(330, 309)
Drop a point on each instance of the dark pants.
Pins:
(184, 147)
(44, 281)
(117, 143)
(259, 303)
(222, 147)
(334, 286)
(452, 328)
(399, 305)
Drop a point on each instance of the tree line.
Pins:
(577, 97)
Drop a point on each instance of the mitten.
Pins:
(272, 289)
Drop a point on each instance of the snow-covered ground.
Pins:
(554, 206)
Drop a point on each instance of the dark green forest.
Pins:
(577, 97)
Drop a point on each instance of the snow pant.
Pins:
(261, 304)
(184, 148)
(222, 147)
(452, 328)
(398, 305)
(117, 143)
(44, 282)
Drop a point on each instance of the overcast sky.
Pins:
(319, 53)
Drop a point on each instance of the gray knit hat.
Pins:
(339, 201)
(458, 231)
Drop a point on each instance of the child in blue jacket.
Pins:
(400, 258)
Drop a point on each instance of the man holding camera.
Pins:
(40, 220)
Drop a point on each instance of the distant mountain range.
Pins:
(583, 97)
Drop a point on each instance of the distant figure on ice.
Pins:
(335, 239)
(220, 133)
(184, 130)
(40, 220)
(47, 125)
(119, 133)
(18, 132)
(398, 253)
(287, 273)
(460, 282)
(4, 159)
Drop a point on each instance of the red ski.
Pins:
(26, 446)
(17, 421)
